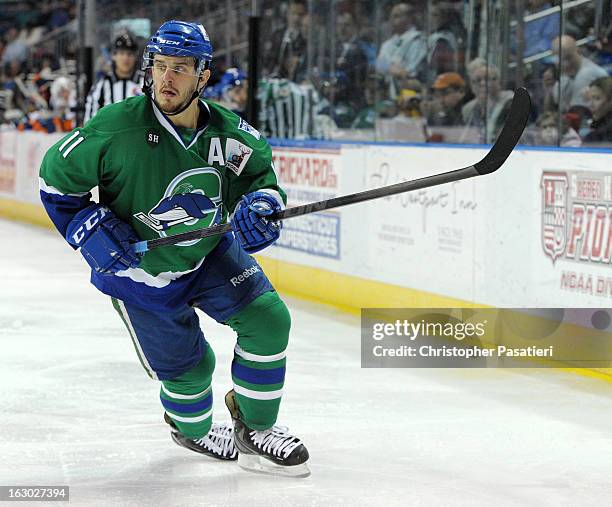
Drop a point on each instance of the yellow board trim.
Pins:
(351, 294)
(24, 212)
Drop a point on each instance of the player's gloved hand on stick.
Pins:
(251, 227)
(104, 240)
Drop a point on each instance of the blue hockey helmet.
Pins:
(180, 38)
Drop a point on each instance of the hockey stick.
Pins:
(507, 140)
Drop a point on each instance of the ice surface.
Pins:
(79, 410)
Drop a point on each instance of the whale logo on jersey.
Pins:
(179, 209)
(192, 200)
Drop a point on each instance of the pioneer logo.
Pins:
(237, 280)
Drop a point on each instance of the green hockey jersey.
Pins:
(157, 178)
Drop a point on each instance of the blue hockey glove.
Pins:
(249, 222)
(104, 240)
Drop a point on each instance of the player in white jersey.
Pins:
(125, 80)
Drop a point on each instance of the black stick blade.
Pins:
(510, 134)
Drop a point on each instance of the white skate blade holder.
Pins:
(259, 464)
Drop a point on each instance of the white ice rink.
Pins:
(78, 410)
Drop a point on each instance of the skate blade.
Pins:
(258, 464)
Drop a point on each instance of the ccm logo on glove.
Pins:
(88, 224)
(106, 243)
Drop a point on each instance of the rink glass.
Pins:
(329, 49)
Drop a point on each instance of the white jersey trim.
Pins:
(198, 418)
(177, 396)
(132, 332)
(52, 190)
(160, 281)
(161, 118)
(257, 358)
(258, 395)
(67, 141)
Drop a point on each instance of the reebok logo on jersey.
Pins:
(236, 155)
(237, 280)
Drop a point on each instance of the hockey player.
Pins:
(124, 81)
(165, 163)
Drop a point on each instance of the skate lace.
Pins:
(220, 439)
(275, 440)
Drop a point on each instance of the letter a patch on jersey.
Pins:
(236, 155)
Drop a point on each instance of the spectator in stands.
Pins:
(287, 47)
(57, 15)
(404, 54)
(331, 86)
(409, 124)
(124, 81)
(600, 103)
(541, 31)
(14, 82)
(351, 63)
(543, 96)
(447, 41)
(448, 100)
(488, 109)
(377, 105)
(470, 69)
(577, 72)
(313, 29)
(579, 23)
(548, 131)
(63, 103)
(16, 49)
(603, 50)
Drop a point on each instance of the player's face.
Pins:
(175, 80)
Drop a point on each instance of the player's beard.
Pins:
(173, 109)
(183, 104)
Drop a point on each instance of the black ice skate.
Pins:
(271, 451)
(218, 443)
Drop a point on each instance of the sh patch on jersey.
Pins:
(236, 155)
(243, 125)
(152, 138)
(191, 201)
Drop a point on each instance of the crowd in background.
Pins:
(389, 71)
(415, 74)
(36, 91)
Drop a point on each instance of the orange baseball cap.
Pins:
(448, 79)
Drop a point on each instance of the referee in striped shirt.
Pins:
(124, 81)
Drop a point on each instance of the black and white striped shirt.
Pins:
(288, 110)
(111, 89)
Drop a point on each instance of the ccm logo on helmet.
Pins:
(166, 41)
